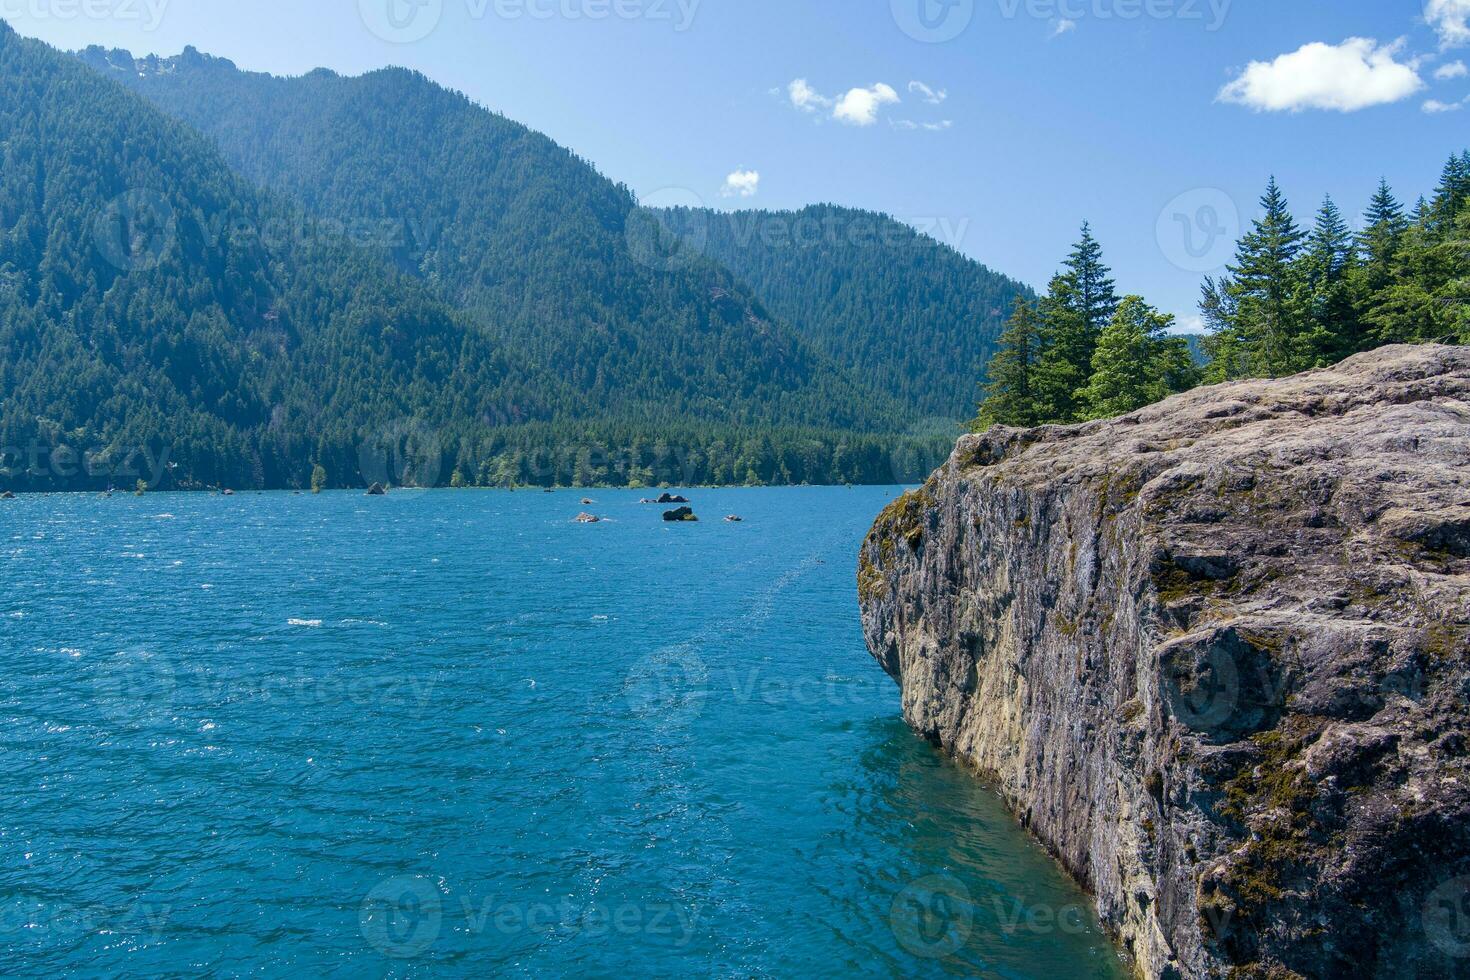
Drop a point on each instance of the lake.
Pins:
(455, 733)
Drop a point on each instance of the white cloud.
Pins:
(860, 106)
(933, 127)
(1188, 323)
(1063, 26)
(742, 183)
(1434, 106)
(1451, 20)
(928, 94)
(1455, 69)
(806, 98)
(864, 106)
(1353, 75)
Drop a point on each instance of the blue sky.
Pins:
(1157, 120)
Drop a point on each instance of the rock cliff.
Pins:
(1216, 656)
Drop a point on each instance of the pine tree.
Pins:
(1449, 198)
(1384, 225)
(1096, 299)
(1079, 304)
(1424, 294)
(1330, 258)
(1265, 314)
(318, 478)
(1222, 344)
(1126, 366)
(1010, 394)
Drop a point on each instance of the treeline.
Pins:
(1293, 299)
(1297, 299)
(409, 453)
(541, 456)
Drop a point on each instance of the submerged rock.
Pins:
(735, 519)
(680, 514)
(1216, 656)
(376, 490)
(670, 498)
(588, 519)
(7, 495)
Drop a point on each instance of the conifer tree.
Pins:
(1223, 345)
(1136, 362)
(1010, 394)
(1384, 225)
(1449, 198)
(1096, 297)
(1079, 304)
(1328, 262)
(1264, 318)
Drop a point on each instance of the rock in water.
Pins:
(680, 514)
(585, 518)
(1216, 656)
(671, 498)
(376, 490)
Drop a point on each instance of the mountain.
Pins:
(548, 256)
(165, 318)
(908, 313)
(146, 312)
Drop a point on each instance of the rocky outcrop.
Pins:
(1216, 656)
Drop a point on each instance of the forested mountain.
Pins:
(164, 318)
(143, 305)
(549, 257)
(909, 313)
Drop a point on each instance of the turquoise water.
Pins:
(454, 733)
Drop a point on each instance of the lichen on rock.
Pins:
(1216, 656)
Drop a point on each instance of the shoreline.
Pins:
(302, 491)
